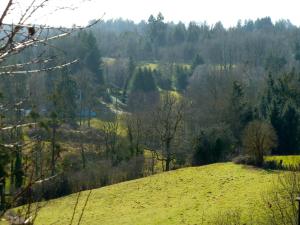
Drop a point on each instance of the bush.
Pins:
(272, 165)
(280, 205)
(244, 159)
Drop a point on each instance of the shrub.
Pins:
(244, 159)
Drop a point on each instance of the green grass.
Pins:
(108, 61)
(287, 160)
(183, 196)
(187, 66)
(99, 124)
(151, 66)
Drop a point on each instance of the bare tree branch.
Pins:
(4, 14)
(39, 70)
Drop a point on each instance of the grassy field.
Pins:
(100, 124)
(185, 196)
(151, 66)
(287, 160)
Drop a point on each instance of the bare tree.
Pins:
(259, 139)
(110, 130)
(15, 38)
(166, 129)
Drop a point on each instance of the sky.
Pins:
(211, 11)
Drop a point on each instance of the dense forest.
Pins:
(145, 98)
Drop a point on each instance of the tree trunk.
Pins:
(2, 195)
(89, 118)
(83, 157)
(152, 163)
(130, 137)
(168, 159)
(53, 151)
(168, 162)
(80, 110)
(12, 177)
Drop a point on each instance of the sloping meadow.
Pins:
(199, 195)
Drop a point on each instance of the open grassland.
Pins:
(185, 196)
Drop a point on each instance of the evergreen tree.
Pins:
(290, 129)
(66, 93)
(18, 169)
(239, 113)
(198, 60)
(143, 91)
(280, 106)
(182, 75)
(179, 33)
(143, 81)
(4, 161)
(131, 69)
(193, 32)
(92, 58)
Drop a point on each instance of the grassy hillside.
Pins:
(185, 196)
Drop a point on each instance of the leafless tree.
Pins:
(166, 129)
(15, 38)
(259, 138)
(110, 130)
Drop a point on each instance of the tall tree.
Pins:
(143, 91)
(280, 105)
(66, 94)
(259, 139)
(166, 129)
(239, 112)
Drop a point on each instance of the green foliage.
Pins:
(90, 56)
(212, 145)
(18, 170)
(239, 113)
(198, 60)
(4, 161)
(281, 106)
(179, 33)
(193, 32)
(297, 52)
(143, 81)
(131, 69)
(163, 81)
(287, 160)
(275, 63)
(157, 30)
(64, 99)
(182, 75)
